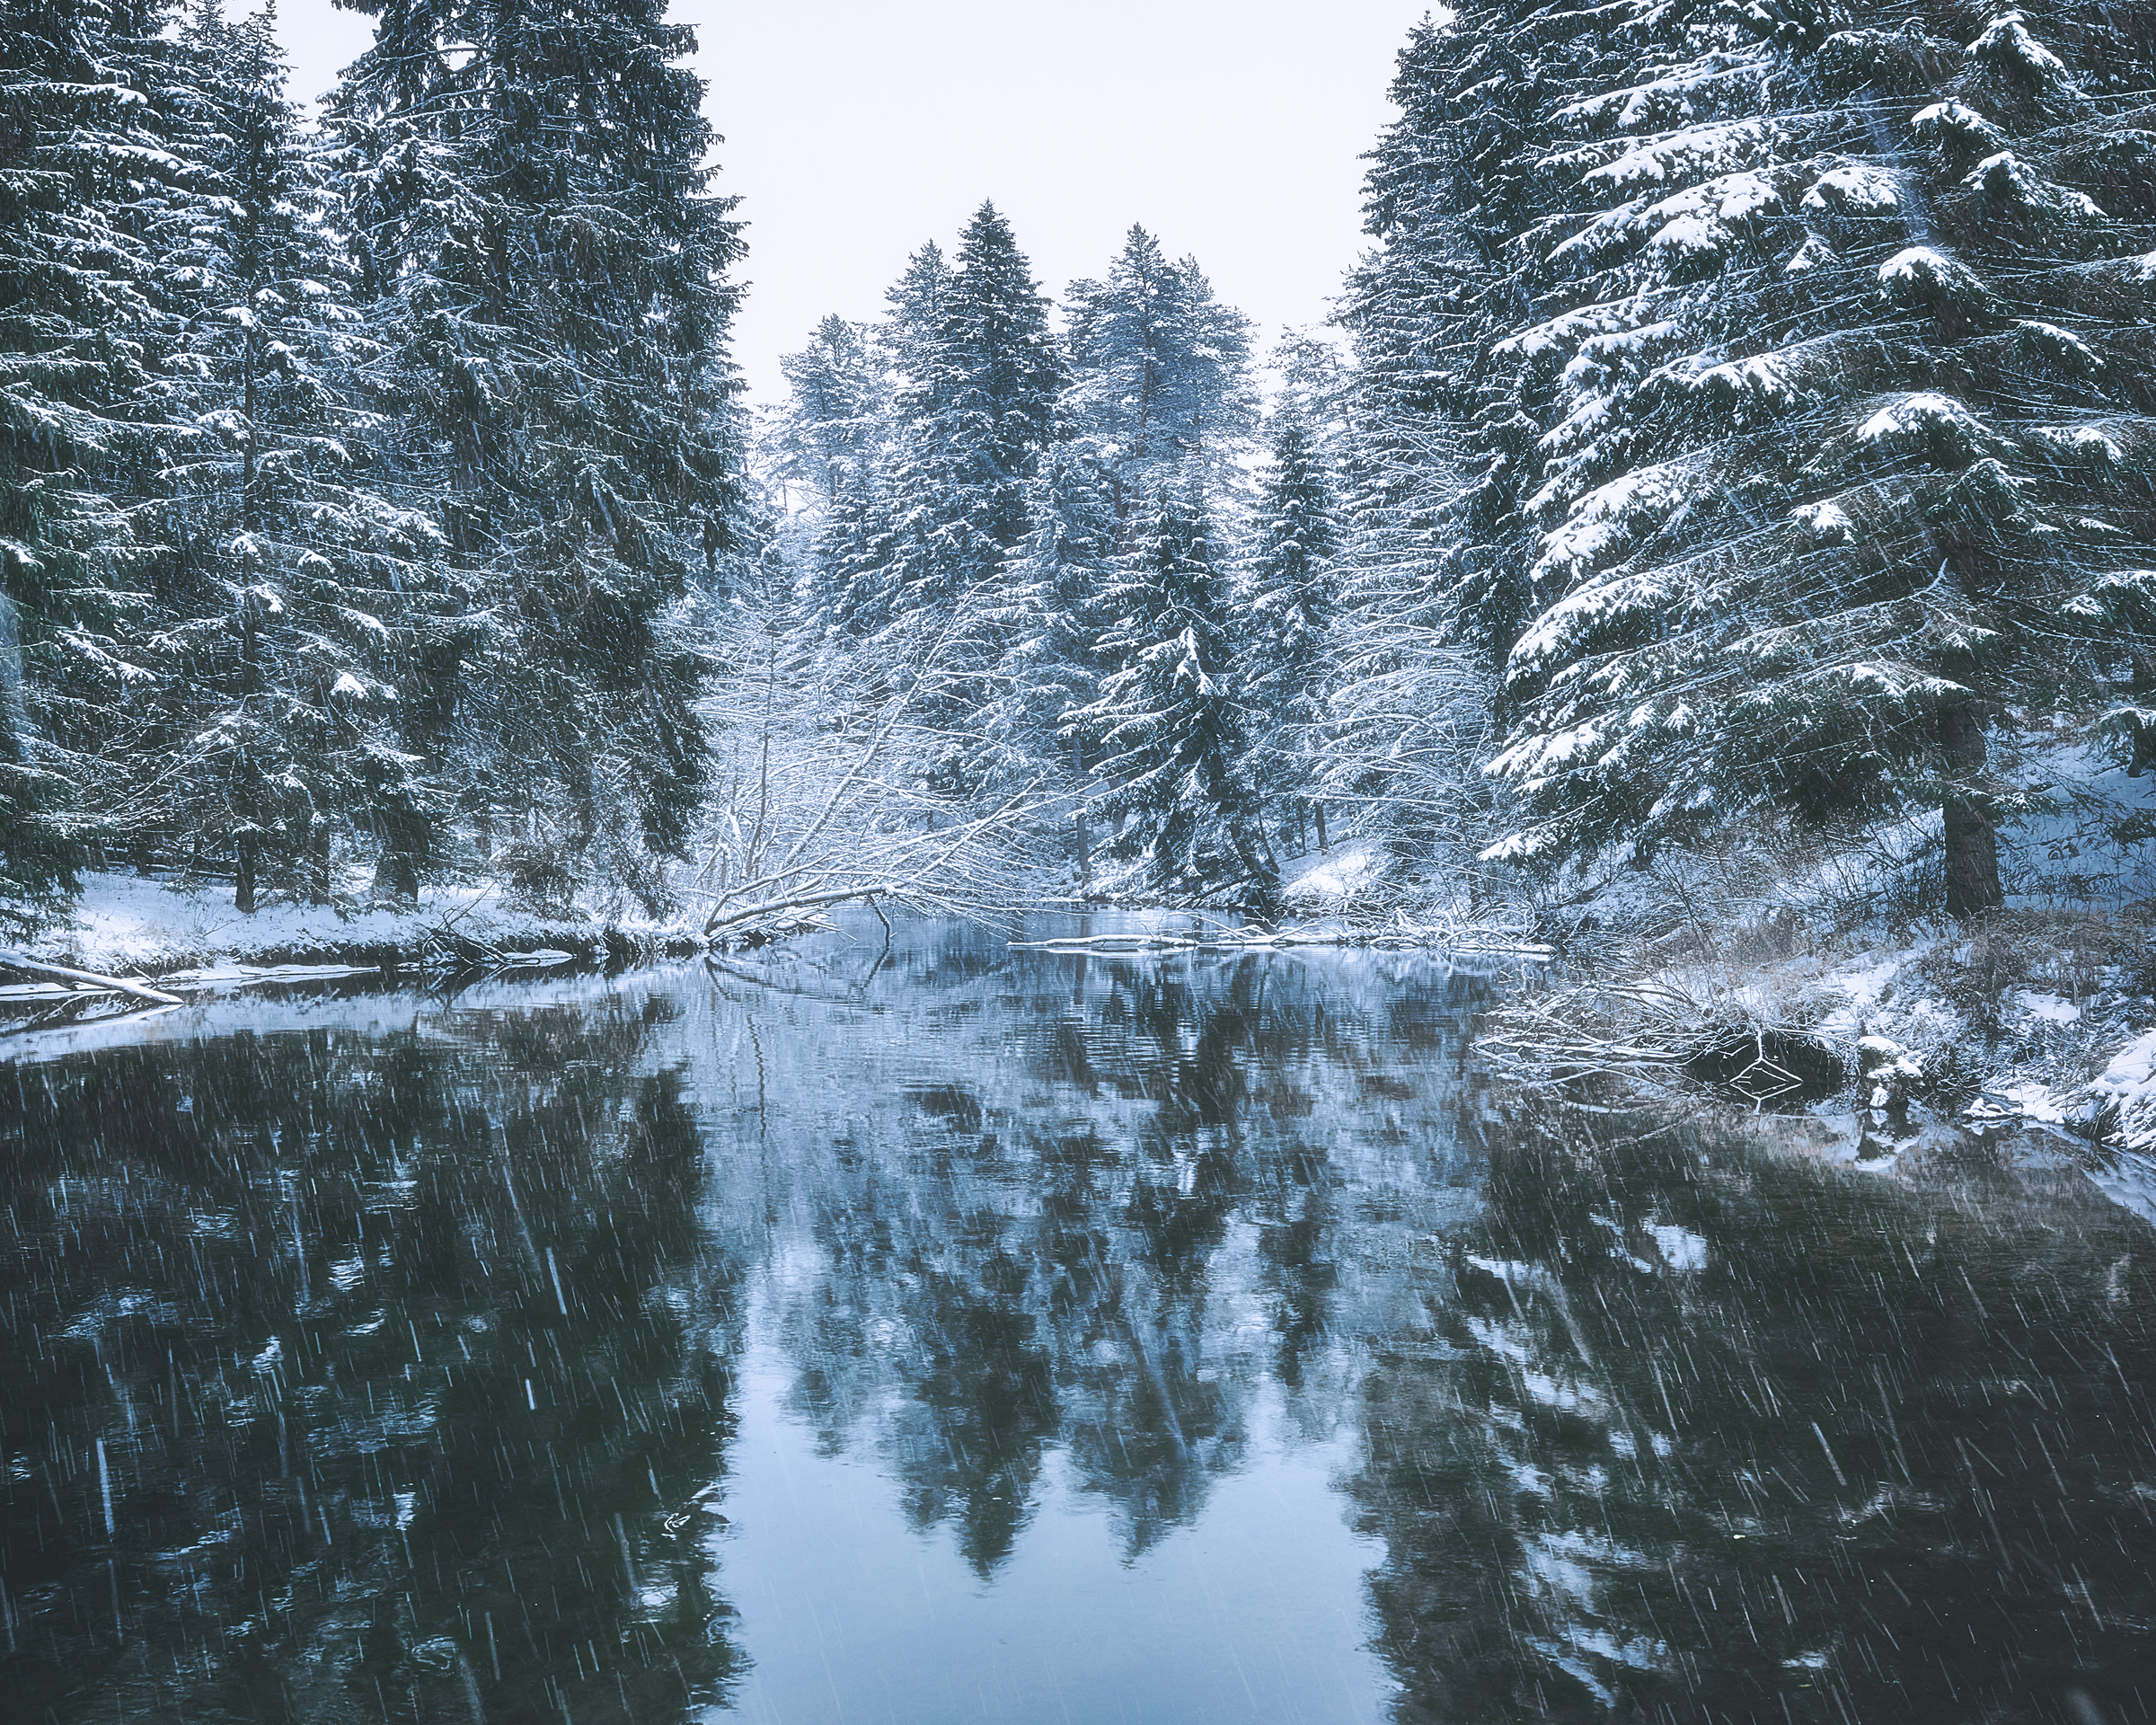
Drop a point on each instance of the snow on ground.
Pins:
(1324, 878)
(2124, 1094)
(2040, 1021)
(126, 924)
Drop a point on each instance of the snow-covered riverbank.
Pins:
(125, 924)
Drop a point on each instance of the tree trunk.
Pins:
(1972, 839)
(318, 861)
(397, 874)
(248, 799)
(1318, 808)
(243, 889)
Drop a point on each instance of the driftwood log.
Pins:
(14, 961)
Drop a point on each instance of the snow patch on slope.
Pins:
(1349, 867)
(126, 924)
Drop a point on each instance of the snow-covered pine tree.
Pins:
(1048, 614)
(1313, 384)
(1291, 594)
(1170, 731)
(973, 419)
(1426, 459)
(76, 135)
(1412, 312)
(279, 629)
(916, 560)
(854, 548)
(531, 202)
(1804, 419)
(1160, 372)
(907, 334)
(825, 434)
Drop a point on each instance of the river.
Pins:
(958, 1331)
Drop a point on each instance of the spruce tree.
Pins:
(825, 434)
(534, 217)
(1159, 371)
(1048, 614)
(908, 333)
(75, 317)
(974, 418)
(940, 503)
(1292, 596)
(1784, 360)
(279, 632)
(1170, 729)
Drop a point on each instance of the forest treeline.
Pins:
(352, 476)
(1743, 428)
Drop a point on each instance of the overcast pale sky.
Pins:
(855, 130)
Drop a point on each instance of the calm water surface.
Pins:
(968, 1333)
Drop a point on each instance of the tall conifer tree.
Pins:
(1170, 729)
(532, 206)
(1291, 596)
(1785, 357)
(974, 418)
(279, 632)
(77, 133)
(1160, 372)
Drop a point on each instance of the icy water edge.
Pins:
(977, 1333)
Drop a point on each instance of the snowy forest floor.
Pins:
(124, 925)
(1830, 985)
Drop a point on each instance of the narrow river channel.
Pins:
(967, 1332)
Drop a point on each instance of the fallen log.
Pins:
(29, 966)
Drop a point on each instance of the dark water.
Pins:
(992, 1335)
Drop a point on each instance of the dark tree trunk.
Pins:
(243, 890)
(1318, 808)
(318, 861)
(405, 843)
(397, 875)
(248, 801)
(1972, 838)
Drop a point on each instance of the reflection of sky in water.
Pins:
(851, 1611)
(1098, 1340)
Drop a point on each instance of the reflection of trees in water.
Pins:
(403, 1356)
(1107, 1244)
(397, 1358)
(1703, 1431)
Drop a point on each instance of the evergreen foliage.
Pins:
(1170, 731)
(281, 589)
(1159, 371)
(1785, 368)
(77, 142)
(974, 418)
(825, 434)
(351, 488)
(1047, 615)
(1292, 599)
(535, 220)
(1750, 421)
